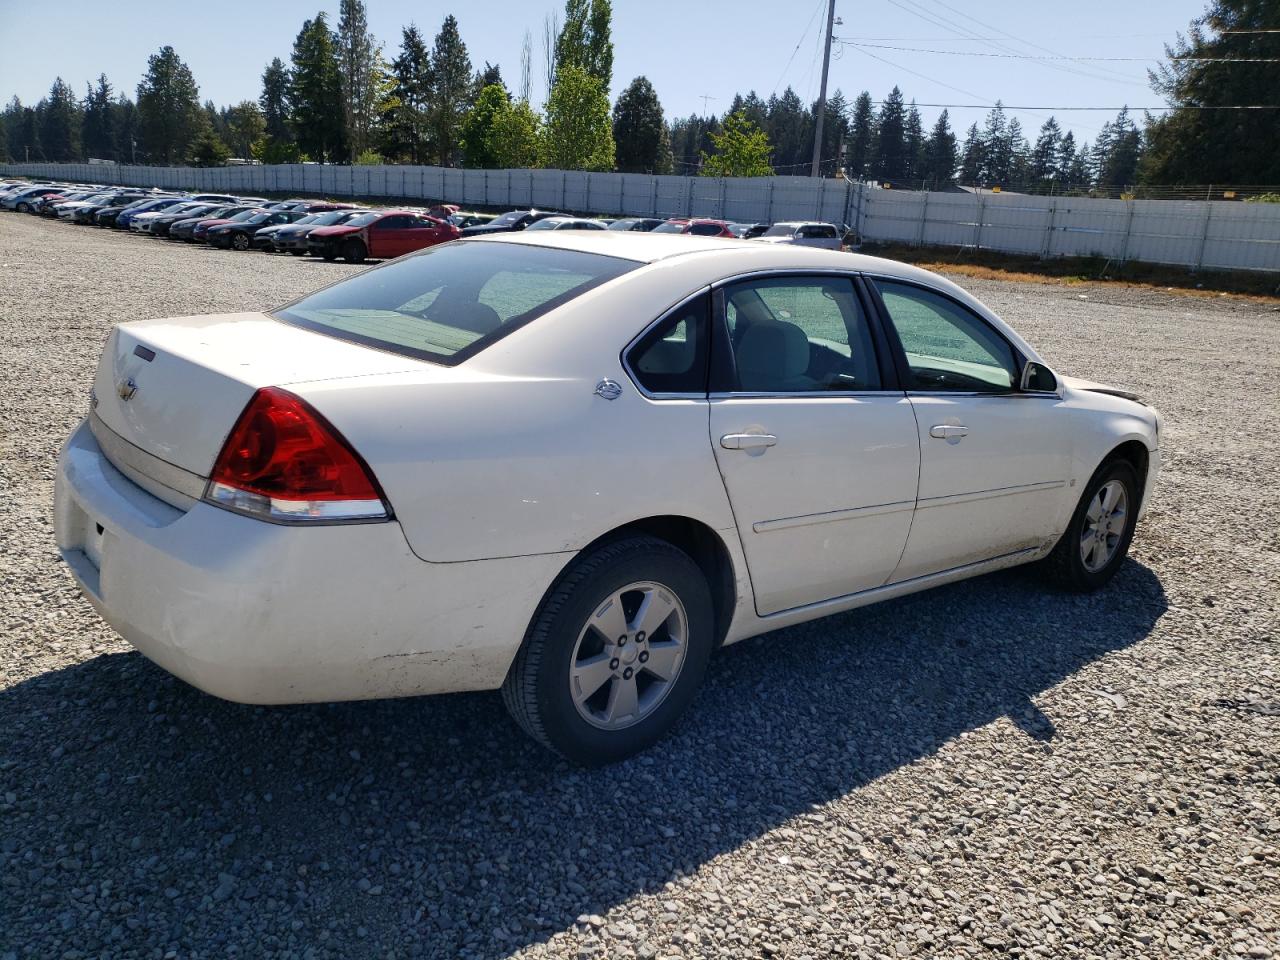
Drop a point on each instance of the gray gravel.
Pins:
(989, 768)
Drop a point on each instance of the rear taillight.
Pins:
(285, 462)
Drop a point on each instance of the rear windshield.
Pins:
(670, 227)
(780, 230)
(451, 301)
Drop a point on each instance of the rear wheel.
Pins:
(298, 253)
(241, 241)
(1101, 529)
(353, 251)
(24, 207)
(616, 652)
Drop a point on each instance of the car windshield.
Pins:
(246, 215)
(258, 217)
(312, 218)
(669, 227)
(779, 230)
(361, 220)
(509, 219)
(623, 224)
(550, 223)
(453, 300)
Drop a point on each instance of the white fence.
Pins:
(1221, 235)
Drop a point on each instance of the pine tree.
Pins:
(1019, 154)
(913, 144)
(315, 94)
(97, 129)
(245, 127)
(861, 137)
(577, 134)
(788, 130)
(277, 145)
(1120, 166)
(586, 40)
(360, 67)
(835, 131)
(124, 118)
(1190, 145)
(888, 160)
(940, 153)
(208, 150)
(1045, 155)
(973, 159)
(1065, 161)
(169, 112)
(406, 127)
(640, 130)
(451, 91)
(741, 150)
(997, 151)
(60, 124)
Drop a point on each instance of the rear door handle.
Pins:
(949, 432)
(747, 441)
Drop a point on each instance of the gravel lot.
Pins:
(989, 768)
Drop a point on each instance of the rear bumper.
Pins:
(266, 613)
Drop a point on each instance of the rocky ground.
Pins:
(991, 768)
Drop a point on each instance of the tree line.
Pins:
(338, 99)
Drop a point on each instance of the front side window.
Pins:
(673, 356)
(453, 300)
(394, 223)
(799, 335)
(705, 229)
(948, 347)
(670, 227)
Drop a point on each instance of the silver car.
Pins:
(813, 234)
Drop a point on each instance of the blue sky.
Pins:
(688, 48)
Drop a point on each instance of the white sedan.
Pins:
(571, 465)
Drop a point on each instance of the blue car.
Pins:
(146, 206)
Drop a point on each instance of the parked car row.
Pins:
(344, 231)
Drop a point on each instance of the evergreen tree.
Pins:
(577, 134)
(406, 128)
(451, 91)
(997, 150)
(888, 160)
(245, 127)
(861, 137)
(913, 144)
(476, 137)
(514, 136)
(586, 39)
(788, 131)
(940, 153)
(60, 124)
(169, 113)
(277, 144)
(1120, 166)
(1066, 158)
(741, 150)
(973, 159)
(97, 129)
(315, 94)
(1019, 154)
(208, 150)
(835, 131)
(690, 138)
(640, 130)
(1045, 155)
(1078, 174)
(1219, 146)
(491, 76)
(360, 69)
(124, 118)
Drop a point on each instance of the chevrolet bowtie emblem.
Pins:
(126, 388)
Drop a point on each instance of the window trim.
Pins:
(624, 357)
(722, 378)
(900, 353)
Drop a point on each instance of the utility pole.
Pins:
(705, 97)
(822, 93)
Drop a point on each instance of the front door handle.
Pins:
(949, 432)
(747, 441)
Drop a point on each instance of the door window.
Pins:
(948, 347)
(672, 357)
(395, 223)
(799, 335)
(705, 230)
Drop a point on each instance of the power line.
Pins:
(1029, 56)
(1130, 107)
(799, 42)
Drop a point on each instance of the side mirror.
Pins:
(1037, 378)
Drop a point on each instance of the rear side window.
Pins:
(450, 302)
(705, 229)
(673, 356)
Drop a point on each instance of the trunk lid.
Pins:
(175, 387)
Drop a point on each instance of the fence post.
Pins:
(982, 210)
(1128, 232)
(864, 197)
(924, 216)
(1204, 234)
(1047, 249)
(653, 182)
(720, 207)
(770, 212)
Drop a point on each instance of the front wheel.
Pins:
(241, 241)
(353, 251)
(298, 253)
(1101, 529)
(616, 652)
(24, 208)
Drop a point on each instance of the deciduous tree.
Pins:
(742, 150)
(577, 134)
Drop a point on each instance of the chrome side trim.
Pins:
(974, 497)
(160, 478)
(802, 394)
(833, 516)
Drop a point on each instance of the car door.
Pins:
(421, 232)
(387, 237)
(815, 443)
(994, 465)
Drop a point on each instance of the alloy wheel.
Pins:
(1104, 524)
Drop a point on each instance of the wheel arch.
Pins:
(1135, 453)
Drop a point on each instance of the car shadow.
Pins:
(433, 825)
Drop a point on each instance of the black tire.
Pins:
(537, 691)
(298, 253)
(353, 251)
(23, 207)
(241, 241)
(329, 254)
(1065, 566)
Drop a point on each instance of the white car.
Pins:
(822, 235)
(571, 465)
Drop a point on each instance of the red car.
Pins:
(698, 227)
(380, 234)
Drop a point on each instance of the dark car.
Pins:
(293, 237)
(636, 223)
(238, 234)
(107, 216)
(510, 222)
(160, 225)
(115, 202)
(184, 229)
